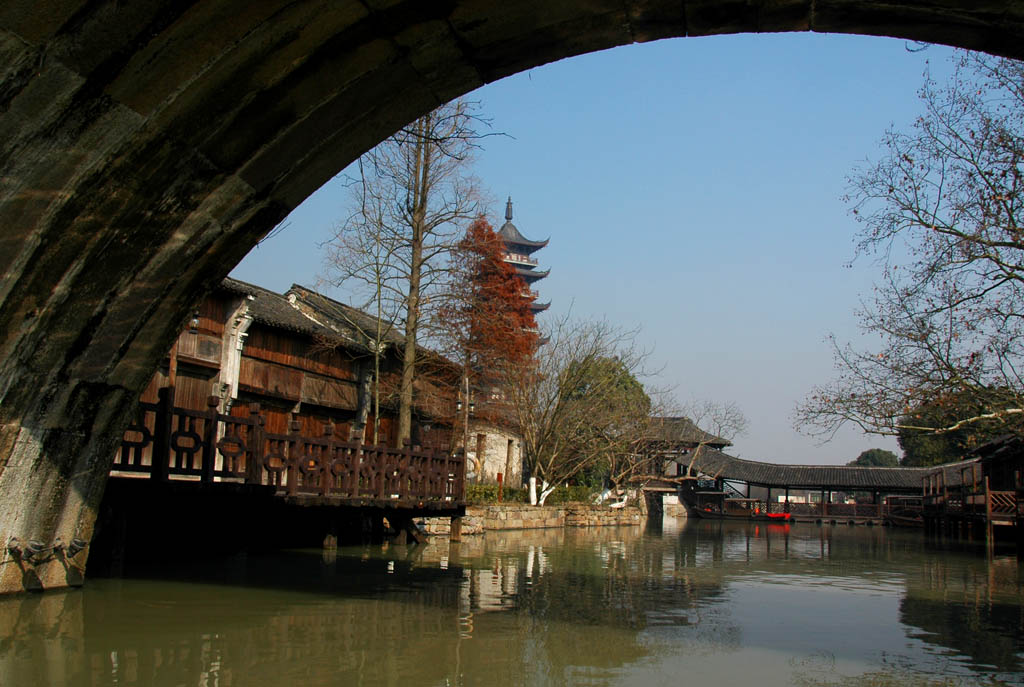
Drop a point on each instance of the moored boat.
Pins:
(738, 509)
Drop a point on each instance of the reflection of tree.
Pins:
(819, 671)
(990, 634)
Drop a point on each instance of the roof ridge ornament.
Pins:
(508, 209)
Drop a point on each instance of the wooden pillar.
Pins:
(172, 366)
(768, 501)
(823, 511)
(786, 509)
(209, 455)
(456, 529)
(161, 456)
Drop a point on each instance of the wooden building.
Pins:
(299, 353)
(675, 438)
(980, 496)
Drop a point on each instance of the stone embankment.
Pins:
(517, 516)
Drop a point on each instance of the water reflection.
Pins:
(716, 602)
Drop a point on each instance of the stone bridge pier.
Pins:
(146, 146)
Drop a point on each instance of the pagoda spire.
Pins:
(508, 209)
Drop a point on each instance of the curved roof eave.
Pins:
(835, 477)
(531, 274)
(510, 234)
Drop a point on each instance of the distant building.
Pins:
(518, 250)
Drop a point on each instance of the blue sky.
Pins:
(691, 187)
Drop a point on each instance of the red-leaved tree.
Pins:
(492, 322)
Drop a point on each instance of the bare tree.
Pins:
(715, 421)
(362, 259)
(942, 211)
(577, 401)
(413, 193)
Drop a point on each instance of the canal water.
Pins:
(693, 603)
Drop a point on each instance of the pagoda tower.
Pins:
(518, 250)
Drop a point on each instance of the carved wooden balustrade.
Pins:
(167, 442)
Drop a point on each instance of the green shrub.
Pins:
(486, 494)
(571, 494)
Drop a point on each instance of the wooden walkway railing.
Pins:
(971, 497)
(167, 442)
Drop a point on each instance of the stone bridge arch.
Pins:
(146, 146)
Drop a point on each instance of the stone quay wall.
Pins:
(517, 516)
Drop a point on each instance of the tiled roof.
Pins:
(511, 236)
(682, 430)
(835, 477)
(273, 309)
(308, 312)
(276, 310)
(342, 318)
(530, 275)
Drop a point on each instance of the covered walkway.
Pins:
(725, 470)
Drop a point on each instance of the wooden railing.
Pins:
(167, 442)
(971, 496)
(825, 511)
(843, 510)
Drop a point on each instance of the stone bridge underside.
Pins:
(146, 146)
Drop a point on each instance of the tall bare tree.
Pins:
(413, 194)
(361, 258)
(942, 210)
(714, 421)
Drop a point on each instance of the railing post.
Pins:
(160, 464)
(326, 474)
(383, 469)
(210, 421)
(294, 427)
(254, 461)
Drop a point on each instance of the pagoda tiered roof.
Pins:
(530, 276)
(515, 240)
(517, 254)
(511, 236)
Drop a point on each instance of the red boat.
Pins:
(737, 509)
